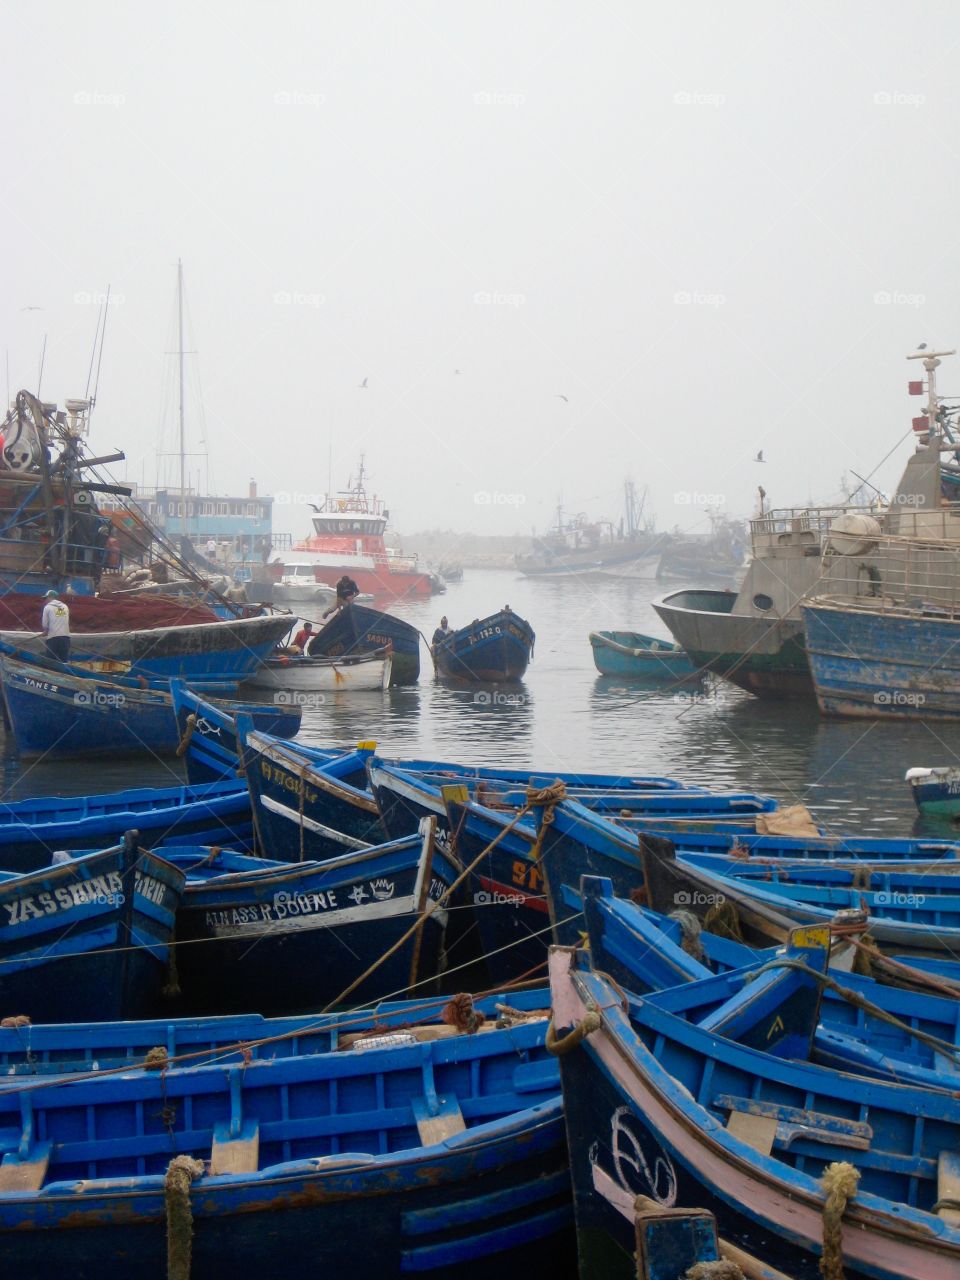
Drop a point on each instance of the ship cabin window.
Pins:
(222, 508)
(762, 601)
(253, 511)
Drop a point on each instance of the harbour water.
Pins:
(565, 716)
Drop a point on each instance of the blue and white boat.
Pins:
(443, 1154)
(257, 935)
(356, 629)
(491, 650)
(89, 937)
(936, 791)
(658, 1106)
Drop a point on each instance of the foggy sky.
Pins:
(715, 228)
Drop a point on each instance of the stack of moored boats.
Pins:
(754, 1059)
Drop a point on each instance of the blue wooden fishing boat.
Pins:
(55, 714)
(308, 807)
(258, 935)
(864, 1026)
(209, 652)
(631, 655)
(901, 909)
(93, 1047)
(443, 1155)
(208, 731)
(215, 813)
(493, 649)
(894, 661)
(356, 629)
(936, 791)
(406, 791)
(88, 937)
(661, 1107)
(108, 669)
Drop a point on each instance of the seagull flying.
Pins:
(561, 396)
(921, 346)
(760, 457)
(363, 385)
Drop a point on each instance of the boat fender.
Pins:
(839, 1181)
(589, 1023)
(181, 1172)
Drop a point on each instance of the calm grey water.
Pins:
(564, 716)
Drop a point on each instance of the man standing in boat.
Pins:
(347, 590)
(55, 621)
(441, 632)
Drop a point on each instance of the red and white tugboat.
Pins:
(348, 539)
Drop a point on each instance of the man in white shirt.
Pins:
(56, 627)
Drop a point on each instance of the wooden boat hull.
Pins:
(493, 650)
(208, 732)
(292, 937)
(886, 665)
(307, 810)
(89, 937)
(355, 629)
(650, 1134)
(59, 715)
(341, 1171)
(215, 651)
(634, 656)
(323, 675)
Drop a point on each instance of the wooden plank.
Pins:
(948, 1185)
(757, 1131)
(25, 1174)
(235, 1155)
(846, 1132)
(441, 1123)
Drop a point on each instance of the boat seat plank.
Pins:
(948, 1187)
(756, 1131)
(239, 1154)
(534, 1077)
(791, 1123)
(25, 1173)
(437, 1123)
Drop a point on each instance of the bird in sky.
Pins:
(561, 396)
(760, 457)
(363, 385)
(921, 346)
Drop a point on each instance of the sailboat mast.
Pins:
(183, 490)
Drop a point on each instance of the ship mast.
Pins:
(183, 450)
(931, 359)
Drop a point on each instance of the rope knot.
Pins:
(187, 734)
(157, 1059)
(589, 1023)
(182, 1171)
(460, 1013)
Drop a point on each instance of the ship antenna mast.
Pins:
(931, 359)
(183, 451)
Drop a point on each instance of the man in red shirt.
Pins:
(303, 637)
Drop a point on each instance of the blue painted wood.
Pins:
(308, 807)
(275, 937)
(56, 714)
(896, 663)
(643, 952)
(359, 629)
(493, 649)
(217, 813)
(341, 1166)
(656, 1086)
(936, 790)
(61, 1048)
(88, 937)
(630, 655)
(212, 751)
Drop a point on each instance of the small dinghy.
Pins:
(306, 674)
(630, 654)
(936, 791)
